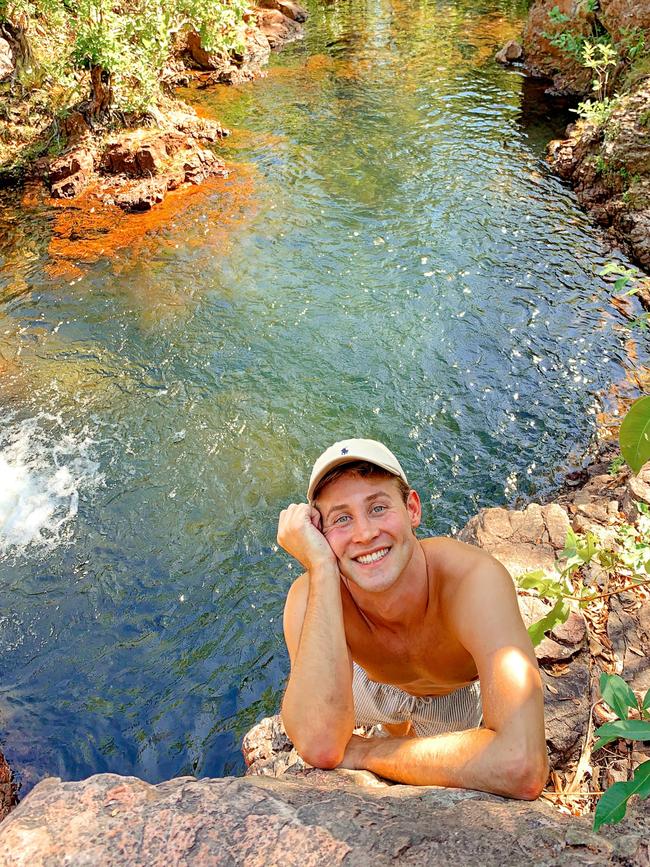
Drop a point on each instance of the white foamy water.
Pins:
(42, 471)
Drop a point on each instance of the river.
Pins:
(389, 258)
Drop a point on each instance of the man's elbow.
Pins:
(318, 748)
(527, 777)
(321, 755)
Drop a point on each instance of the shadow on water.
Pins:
(542, 116)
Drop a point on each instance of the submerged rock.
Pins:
(510, 53)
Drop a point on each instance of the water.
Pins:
(390, 258)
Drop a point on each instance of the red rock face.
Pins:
(547, 60)
(277, 28)
(610, 172)
(8, 796)
(621, 16)
(70, 173)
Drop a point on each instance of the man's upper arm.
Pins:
(490, 627)
(294, 614)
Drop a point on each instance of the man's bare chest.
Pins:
(426, 661)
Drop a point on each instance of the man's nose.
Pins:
(365, 529)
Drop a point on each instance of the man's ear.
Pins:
(414, 508)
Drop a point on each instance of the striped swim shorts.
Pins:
(376, 703)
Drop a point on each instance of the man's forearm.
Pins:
(472, 759)
(317, 709)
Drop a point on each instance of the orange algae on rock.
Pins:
(87, 228)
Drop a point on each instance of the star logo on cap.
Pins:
(344, 451)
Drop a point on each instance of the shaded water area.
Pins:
(389, 258)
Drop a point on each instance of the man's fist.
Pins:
(300, 535)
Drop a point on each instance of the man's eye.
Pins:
(378, 508)
(342, 519)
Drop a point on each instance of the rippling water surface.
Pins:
(389, 259)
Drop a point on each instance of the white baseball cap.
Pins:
(346, 451)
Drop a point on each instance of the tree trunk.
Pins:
(102, 90)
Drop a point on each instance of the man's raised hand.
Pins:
(300, 535)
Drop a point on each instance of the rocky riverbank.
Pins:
(131, 161)
(605, 155)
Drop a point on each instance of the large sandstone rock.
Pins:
(523, 541)
(303, 820)
(287, 7)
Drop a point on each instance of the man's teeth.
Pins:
(372, 558)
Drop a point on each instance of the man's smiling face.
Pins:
(369, 528)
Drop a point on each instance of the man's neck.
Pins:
(404, 603)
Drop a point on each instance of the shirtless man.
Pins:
(424, 637)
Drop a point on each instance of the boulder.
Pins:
(639, 485)
(7, 65)
(628, 628)
(287, 7)
(235, 69)
(298, 820)
(135, 158)
(567, 700)
(277, 28)
(510, 53)
(71, 172)
(523, 541)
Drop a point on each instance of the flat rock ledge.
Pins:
(305, 820)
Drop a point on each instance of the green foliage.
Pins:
(617, 694)
(130, 43)
(624, 276)
(628, 558)
(616, 465)
(558, 614)
(613, 804)
(596, 111)
(634, 435)
(621, 699)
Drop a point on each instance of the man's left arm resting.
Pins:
(507, 757)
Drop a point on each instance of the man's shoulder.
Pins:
(452, 556)
(299, 590)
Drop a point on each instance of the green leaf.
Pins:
(587, 546)
(617, 694)
(621, 283)
(546, 587)
(611, 807)
(631, 729)
(646, 701)
(559, 613)
(634, 436)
